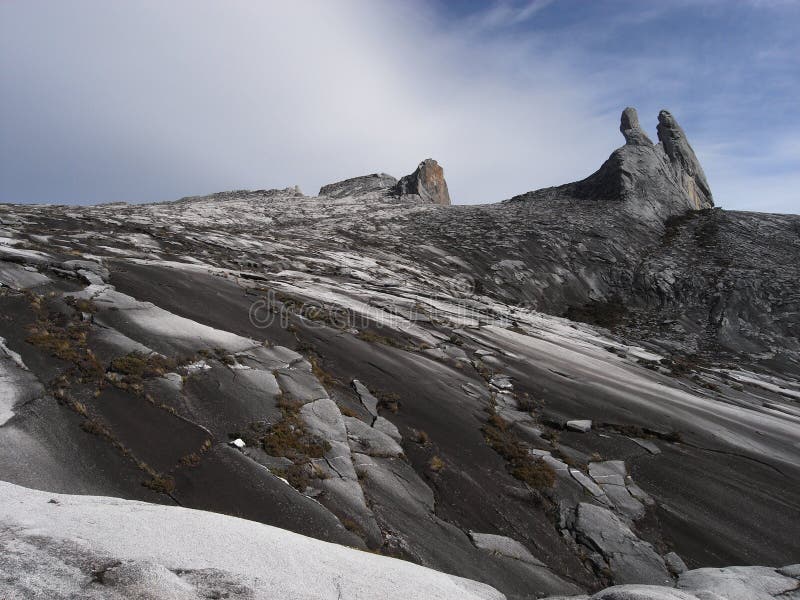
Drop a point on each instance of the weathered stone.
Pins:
(648, 445)
(358, 186)
(17, 383)
(638, 492)
(624, 502)
(343, 494)
(505, 546)
(790, 571)
(385, 426)
(581, 425)
(608, 472)
(300, 385)
(427, 182)
(273, 357)
(647, 592)
(630, 559)
(675, 563)
(738, 583)
(610, 475)
(368, 440)
(589, 485)
(20, 278)
(369, 401)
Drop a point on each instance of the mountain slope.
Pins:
(421, 373)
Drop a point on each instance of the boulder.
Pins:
(505, 546)
(427, 182)
(369, 401)
(370, 441)
(675, 563)
(389, 428)
(581, 425)
(611, 476)
(630, 559)
(646, 592)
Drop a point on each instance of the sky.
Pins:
(143, 101)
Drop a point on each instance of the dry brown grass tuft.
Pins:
(436, 464)
(521, 464)
(163, 484)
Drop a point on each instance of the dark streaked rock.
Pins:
(358, 186)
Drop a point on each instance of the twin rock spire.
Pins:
(675, 146)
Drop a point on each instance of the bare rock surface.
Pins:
(501, 544)
(629, 558)
(730, 583)
(402, 372)
(60, 546)
(377, 182)
(17, 383)
(741, 583)
(370, 440)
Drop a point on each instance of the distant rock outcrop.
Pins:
(357, 186)
(427, 182)
(292, 191)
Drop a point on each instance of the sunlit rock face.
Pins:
(427, 182)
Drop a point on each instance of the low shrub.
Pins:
(83, 305)
(289, 438)
(520, 463)
(137, 365)
(388, 401)
(163, 484)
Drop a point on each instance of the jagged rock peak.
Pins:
(684, 161)
(357, 186)
(629, 126)
(427, 182)
(653, 182)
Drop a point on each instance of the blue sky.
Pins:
(146, 101)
